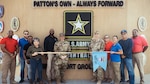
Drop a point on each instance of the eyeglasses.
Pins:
(26, 33)
(123, 34)
(105, 38)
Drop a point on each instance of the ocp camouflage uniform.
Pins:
(61, 61)
(97, 45)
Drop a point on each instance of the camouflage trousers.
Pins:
(60, 66)
(99, 73)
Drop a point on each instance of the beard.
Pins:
(51, 34)
(10, 36)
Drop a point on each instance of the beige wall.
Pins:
(106, 20)
(135, 9)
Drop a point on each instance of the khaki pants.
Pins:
(8, 64)
(138, 59)
(116, 70)
(108, 72)
(49, 62)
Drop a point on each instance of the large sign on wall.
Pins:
(78, 3)
(78, 26)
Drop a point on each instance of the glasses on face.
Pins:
(26, 33)
(123, 34)
(106, 37)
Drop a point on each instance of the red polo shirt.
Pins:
(108, 46)
(10, 44)
(138, 44)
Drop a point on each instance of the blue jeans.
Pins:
(129, 66)
(36, 64)
(22, 62)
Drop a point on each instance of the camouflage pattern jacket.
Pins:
(62, 46)
(97, 45)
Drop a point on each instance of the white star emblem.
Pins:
(78, 25)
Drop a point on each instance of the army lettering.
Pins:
(79, 43)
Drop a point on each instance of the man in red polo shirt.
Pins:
(108, 72)
(9, 47)
(139, 47)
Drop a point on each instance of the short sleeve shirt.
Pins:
(33, 49)
(10, 44)
(138, 44)
(115, 57)
(26, 48)
(22, 43)
(108, 46)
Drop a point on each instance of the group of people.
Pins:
(30, 53)
(121, 53)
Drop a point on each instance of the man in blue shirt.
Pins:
(22, 42)
(126, 58)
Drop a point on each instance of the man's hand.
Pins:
(28, 61)
(122, 56)
(63, 57)
(10, 54)
(13, 56)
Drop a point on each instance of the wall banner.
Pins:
(78, 3)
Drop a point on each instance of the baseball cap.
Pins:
(123, 31)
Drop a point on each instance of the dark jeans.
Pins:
(22, 62)
(36, 64)
(128, 63)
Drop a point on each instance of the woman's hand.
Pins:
(42, 53)
(34, 54)
(112, 52)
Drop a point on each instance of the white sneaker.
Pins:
(14, 82)
(98, 82)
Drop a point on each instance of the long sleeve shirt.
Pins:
(97, 45)
(62, 46)
(49, 42)
(127, 47)
(33, 49)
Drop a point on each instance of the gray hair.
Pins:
(36, 39)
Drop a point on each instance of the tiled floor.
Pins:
(147, 81)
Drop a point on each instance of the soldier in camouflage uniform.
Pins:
(97, 44)
(61, 63)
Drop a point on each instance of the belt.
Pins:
(36, 58)
(136, 52)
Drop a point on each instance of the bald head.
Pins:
(10, 33)
(51, 32)
(135, 32)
